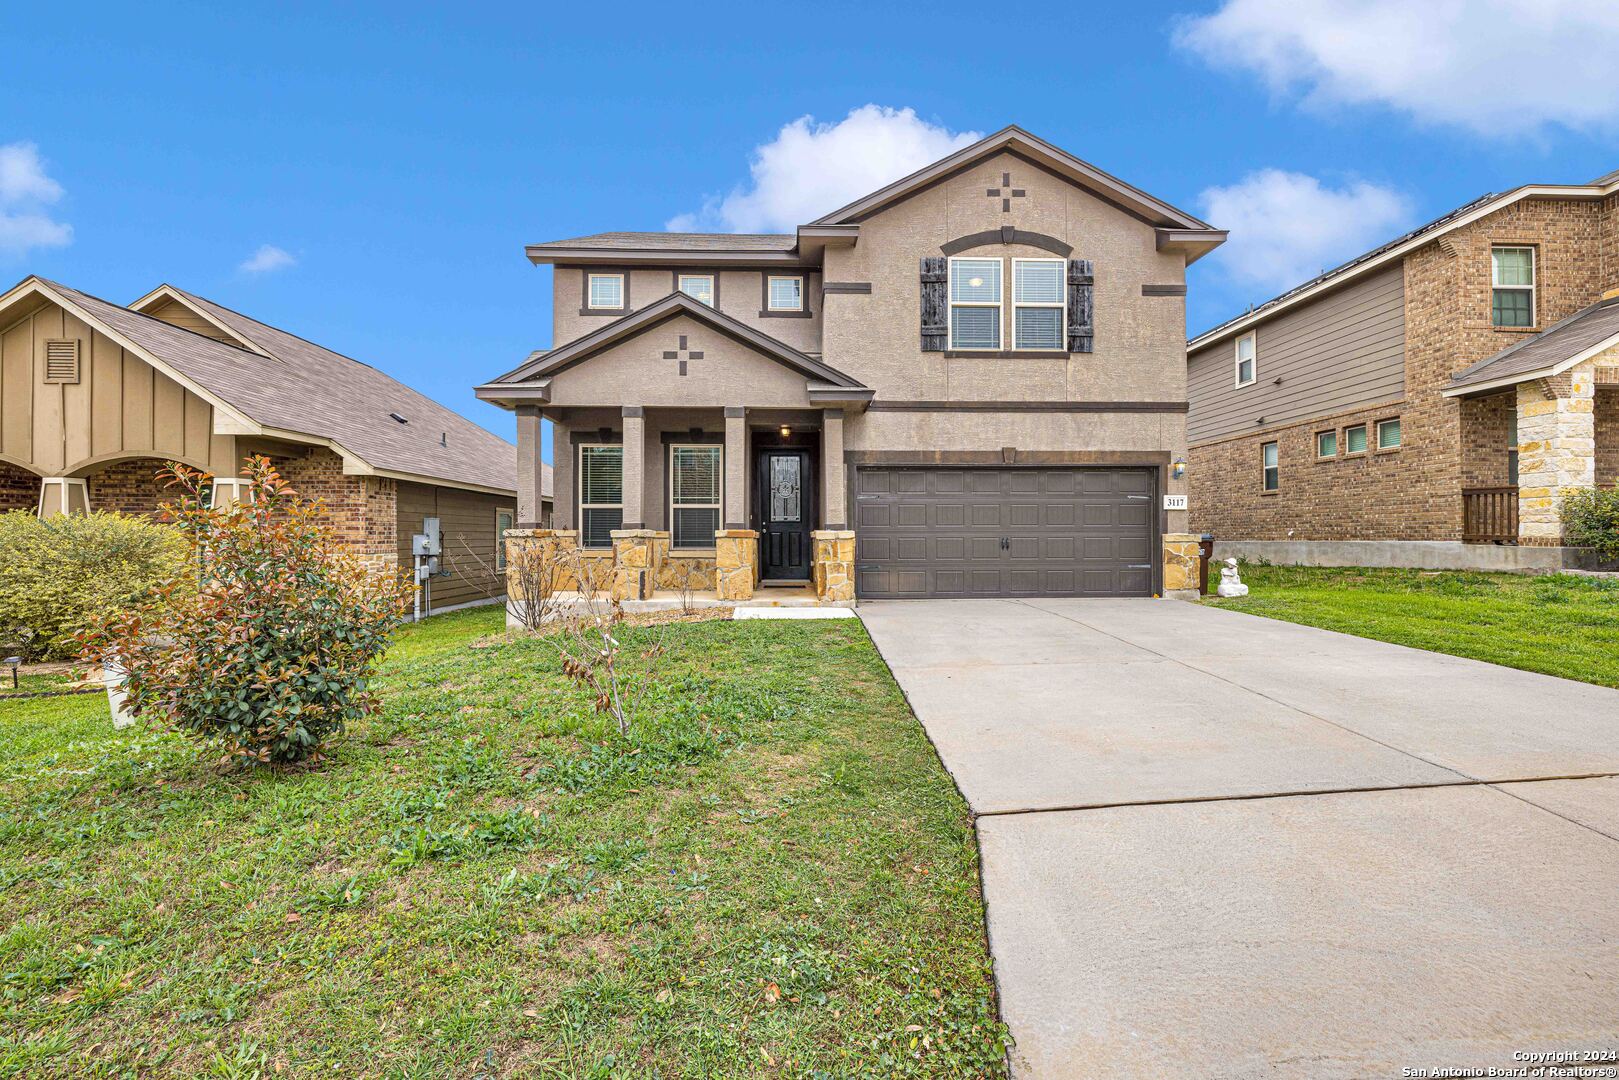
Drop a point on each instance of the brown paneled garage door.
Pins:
(937, 531)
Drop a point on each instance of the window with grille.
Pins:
(694, 495)
(1038, 300)
(1512, 286)
(606, 291)
(601, 494)
(699, 287)
(975, 304)
(785, 294)
(61, 361)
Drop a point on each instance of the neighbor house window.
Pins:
(605, 291)
(1355, 439)
(699, 287)
(1247, 359)
(694, 495)
(1272, 470)
(1038, 295)
(1388, 434)
(601, 494)
(784, 293)
(504, 519)
(975, 303)
(1512, 286)
(1326, 444)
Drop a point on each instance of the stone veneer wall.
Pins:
(1183, 560)
(834, 564)
(1556, 450)
(19, 488)
(736, 562)
(1414, 493)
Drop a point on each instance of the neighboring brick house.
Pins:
(95, 398)
(1425, 404)
(968, 383)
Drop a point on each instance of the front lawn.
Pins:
(1558, 624)
(779, 880)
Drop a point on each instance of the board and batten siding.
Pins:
(1338, 353)
(467, 529)
(120, 407)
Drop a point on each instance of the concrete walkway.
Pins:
(1216, 845)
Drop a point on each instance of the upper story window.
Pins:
(699, 287)
(1512, 286)
(784, 293)
(605, 291)
(695, 474)
(601, 494)
(1247, 359)
(975, 304)
(1038, 302)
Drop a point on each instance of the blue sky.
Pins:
(365, 175)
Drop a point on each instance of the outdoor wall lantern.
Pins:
(1178, 469)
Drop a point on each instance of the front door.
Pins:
(787, 496)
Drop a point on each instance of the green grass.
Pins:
(1558, 624)
(33, 683)
(779, 881)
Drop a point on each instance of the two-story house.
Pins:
(967, 383)
(1426, 404)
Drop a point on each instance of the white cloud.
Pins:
(1495, 67)
(811, 169)
(1287, 227)
(25, 191)
(266, 259)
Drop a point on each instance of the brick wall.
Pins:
(130, 487)
(1607, 430)
(1415, 493)
(19, 488)
(362, 509)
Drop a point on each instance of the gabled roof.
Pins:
(1552, 351)
(541, 365)
(1400, 246)
(298, 390)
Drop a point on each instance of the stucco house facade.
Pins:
(95, 398)
(1425, 404)
(968, 383)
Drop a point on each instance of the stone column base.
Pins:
(834, 564)
(1183, 560)
(635, 563)
(736, 560)
(540, 558)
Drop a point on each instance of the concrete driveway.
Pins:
(1216, 845)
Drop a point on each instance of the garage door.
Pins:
(937, 531)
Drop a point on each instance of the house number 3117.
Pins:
(1174, 502)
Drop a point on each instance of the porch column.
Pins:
(736, 467)
(634, 467)
(1556, 450)
(563, 497)
(834, 497)
(530, 508)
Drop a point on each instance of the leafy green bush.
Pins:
(1591, 519)
(269, 655)
(61, 575)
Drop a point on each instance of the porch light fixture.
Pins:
(785, 431)
(1178, 469)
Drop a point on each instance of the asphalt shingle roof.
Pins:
(1559, 342)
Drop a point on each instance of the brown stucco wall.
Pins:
(739, 297)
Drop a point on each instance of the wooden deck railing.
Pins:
(1490, 515)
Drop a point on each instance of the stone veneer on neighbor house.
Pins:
(1414, 492)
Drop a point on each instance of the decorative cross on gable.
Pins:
(1006, 193)
(690, 354)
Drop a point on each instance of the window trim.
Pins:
(586, 307)
(950, 304)
(1265, 470)
(718, 506)
(1061, 305)
(713, 287)
(1236, 360)
(802, 311)
(1319, 456)
(1354, 453)
(1533, 288)
(500, 536)
(1377, 442)
(579, 490)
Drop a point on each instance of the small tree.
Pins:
(269, 652)
(1591, 519)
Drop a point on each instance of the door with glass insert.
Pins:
(786, 514)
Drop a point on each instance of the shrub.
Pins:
(270, 654)
(1591, 519)
(62, 575)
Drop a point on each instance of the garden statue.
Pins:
(1230, 583)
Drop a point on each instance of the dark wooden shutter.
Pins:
(935, 309)
(1081, 310)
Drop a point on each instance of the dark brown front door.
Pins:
(787, 508)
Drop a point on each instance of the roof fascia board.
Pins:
(169, 293)
(1538, 373)
(1192, 243)
(510, 395)
(1528, 191)
(539, 256)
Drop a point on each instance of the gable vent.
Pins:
(61, 361)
